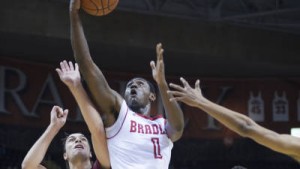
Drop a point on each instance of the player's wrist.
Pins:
(74, 11)
(162, 82)
(54, 127)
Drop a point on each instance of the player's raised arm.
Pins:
(235, 121)
(69, 75)
(175, 120)
(105, 98)
(37, 152)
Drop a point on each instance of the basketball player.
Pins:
(135, 138)
(235, 121)
(70, 76)
(77, 149)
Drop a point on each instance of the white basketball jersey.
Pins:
(138, 142)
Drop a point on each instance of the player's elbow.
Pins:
(179, 128)
(176, 135)
(246, 128)
(175, 131)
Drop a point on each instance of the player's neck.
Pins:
(145, 111)
(86, 164)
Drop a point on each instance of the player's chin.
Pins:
(134, 105)
(132, 102)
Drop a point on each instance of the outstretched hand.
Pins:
(69, 73)
(187, 94)
(58, 117)
(158, 69)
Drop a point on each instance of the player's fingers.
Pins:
(59, 112)
(197, 84)
(58, 71)
(76, 67)
(173, 99)
(184, 82)
(152, 65)
(160, 63)
(66, 65)
(55, 108)
(175, 93)
(177, 87)
(160, 54)
(71, 65)
(159, 51)
(63, 66)
(158, 47)
(66, 112)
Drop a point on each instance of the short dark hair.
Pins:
(151, 85)
(64, 140)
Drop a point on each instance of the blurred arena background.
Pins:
(246, 53)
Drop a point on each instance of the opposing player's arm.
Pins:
(105, 98)
(95, 125)
(246, 127)
(69, 75)
(282, 143)
(37, 152)
(237, 122)
(175, 120)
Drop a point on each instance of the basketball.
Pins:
(99, 7)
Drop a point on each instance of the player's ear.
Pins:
(152, 97)
(65, 156)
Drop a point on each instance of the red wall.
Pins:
(236, 98)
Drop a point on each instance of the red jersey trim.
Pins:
(150, 118)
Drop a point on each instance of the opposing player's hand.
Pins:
(69, 73)
(158, 69)
(74, 5)
(186, 93)
(58, 117)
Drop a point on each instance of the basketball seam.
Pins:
(94, 3)
(102, 6)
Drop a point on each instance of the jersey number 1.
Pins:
(156, 148)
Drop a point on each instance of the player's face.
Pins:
(137, 93)
(77, 146)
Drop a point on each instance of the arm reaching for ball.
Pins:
(237, 122)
